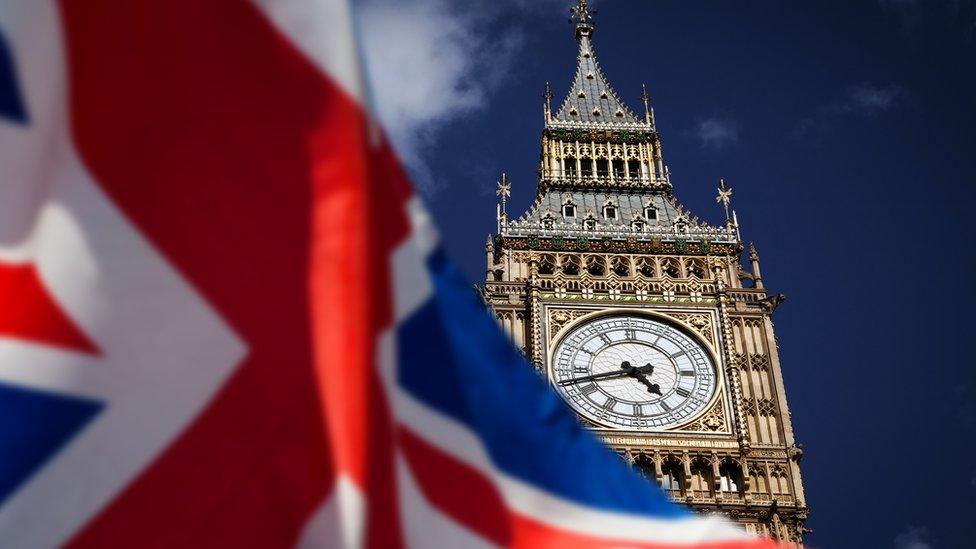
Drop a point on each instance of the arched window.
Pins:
(610, 211)
(650, 213)
(638, 224)
(730, 477)
(672, 476)
(701, 477)
(571, 265)
(757, 480)
(633, 169)
(620, 266)
(646, 267)
(696, 268)
(645, 467)
(589, 223)
(777, 481)
(617, 167)
(602, 167)
(670, 267)
(569, 210)
(547, 264)
(586, 168)
(548, 222)
(570, 167)
(596, 266)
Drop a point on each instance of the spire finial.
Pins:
(548, 98)
(504, 190)
(647, 103)
(582, 15)
(724, 197)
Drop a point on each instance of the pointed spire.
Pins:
(754, 260)
(647, 103)
(591, 100)
(547, 96)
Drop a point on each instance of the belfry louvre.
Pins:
(639, 314)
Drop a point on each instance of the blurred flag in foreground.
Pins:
(225, 320)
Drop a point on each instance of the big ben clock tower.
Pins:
(640, 316)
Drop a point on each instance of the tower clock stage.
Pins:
(641, 316)
(634, 372)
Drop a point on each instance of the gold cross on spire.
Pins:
(504, 190)
(583, 16)
(724, 196)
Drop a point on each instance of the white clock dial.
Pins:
(633, 372)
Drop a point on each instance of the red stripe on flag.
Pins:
(29, 312)
(529, 533)
(469, 497)
(358, 220)
(211, 133)
(458, 490)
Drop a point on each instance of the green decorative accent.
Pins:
(533, 242)
(706, 246)
(582, 243)
(680, 245)
(606, 243)
(557, 242)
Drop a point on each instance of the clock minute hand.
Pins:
(594, 377)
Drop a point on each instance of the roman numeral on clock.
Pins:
(685, 393)
(588, 389)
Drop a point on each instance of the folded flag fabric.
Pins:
(225, 320)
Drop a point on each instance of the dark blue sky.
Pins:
(846, 130)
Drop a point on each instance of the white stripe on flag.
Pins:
(162, 353)
(324, 31)
(462, 444)
(424, 525)
(411, 281)
(339, 521)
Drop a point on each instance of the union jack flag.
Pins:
(212, 332)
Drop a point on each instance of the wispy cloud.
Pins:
(434, 62)
(716, 133)
(869, 99)
(914, 537)
(864, 100)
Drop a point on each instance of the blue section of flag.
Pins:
(453, 357)
(11, 101)
(33, 427)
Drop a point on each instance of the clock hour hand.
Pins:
(652, 388)
(640, 374)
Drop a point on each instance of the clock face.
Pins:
(633, 372)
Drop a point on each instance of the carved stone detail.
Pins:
(700, 322)
(713, 420)
(559, 318)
